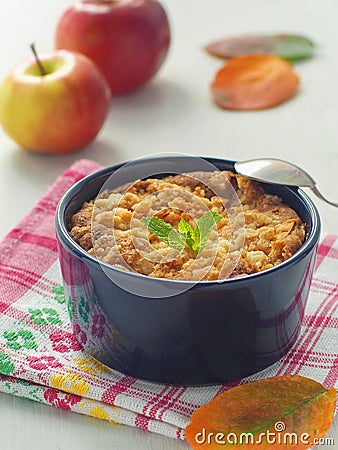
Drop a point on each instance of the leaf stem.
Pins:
(43, 71)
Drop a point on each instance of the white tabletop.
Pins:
(172, 114)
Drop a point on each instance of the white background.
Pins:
(172, 114)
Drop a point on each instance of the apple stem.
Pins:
(43, 71)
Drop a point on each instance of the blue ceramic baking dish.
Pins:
(187, 334)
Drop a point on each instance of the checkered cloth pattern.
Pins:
(42, 358)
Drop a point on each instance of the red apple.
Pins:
(127, 39)
(58, 111)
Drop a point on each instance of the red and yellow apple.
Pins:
(127, 39)
(58, 111)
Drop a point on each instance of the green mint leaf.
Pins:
(186, 236)
(165, 232)
(176, 240)
(188, 232)
(197, 240)
(146, 220)
(158, 227)
(204, 226)
(184, 227)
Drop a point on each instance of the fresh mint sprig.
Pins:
(185, 235)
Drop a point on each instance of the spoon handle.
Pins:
(321, 196)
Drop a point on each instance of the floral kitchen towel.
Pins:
(42, 358)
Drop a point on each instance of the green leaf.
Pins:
(293, 47)
(176, 240)
(185, 236)
(158, 227)
(204, 226)
(146, 220)
(186, 229)
(165, 232)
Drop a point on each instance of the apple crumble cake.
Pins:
(256, 230)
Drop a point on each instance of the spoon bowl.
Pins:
(278, 171)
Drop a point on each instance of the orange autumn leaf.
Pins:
(287, 412)
(254, 82)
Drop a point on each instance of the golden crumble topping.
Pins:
(257, 230)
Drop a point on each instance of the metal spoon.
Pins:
(277, 171)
